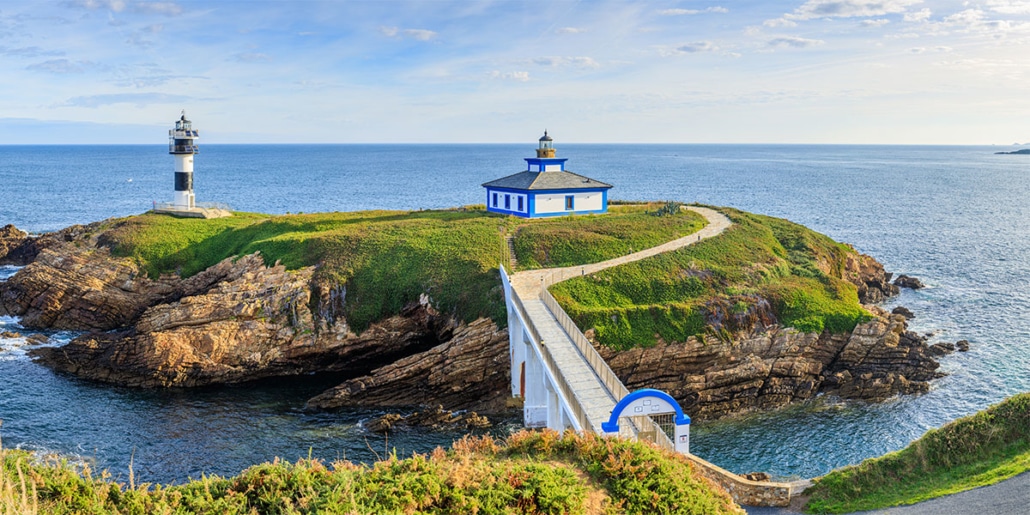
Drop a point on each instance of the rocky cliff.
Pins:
(241, 320)
(713, 378)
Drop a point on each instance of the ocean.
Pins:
(956, 217)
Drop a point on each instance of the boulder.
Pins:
(962, 345)
(942, 349)
(904, 281)
(869, 276)
(433, 418)
(903, 311)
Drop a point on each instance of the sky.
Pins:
(803, 71)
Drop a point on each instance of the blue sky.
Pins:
(815, 71)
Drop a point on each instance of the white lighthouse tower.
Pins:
(182, 144)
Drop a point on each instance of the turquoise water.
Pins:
(954, 216)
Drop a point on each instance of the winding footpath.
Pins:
(530, 282)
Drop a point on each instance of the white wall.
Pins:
(514, 201)
(555, 203)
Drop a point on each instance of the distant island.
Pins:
(1020, 151)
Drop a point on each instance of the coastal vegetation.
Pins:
(761, 270)
(973, 451)
(527, 473)
(386, 259)
(557, 242)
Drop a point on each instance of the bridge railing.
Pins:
(596, 362)
(574, 406)
(600, 367)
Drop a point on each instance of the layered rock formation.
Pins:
(712, 378)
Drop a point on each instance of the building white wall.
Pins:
(514, 201)
(555, 202)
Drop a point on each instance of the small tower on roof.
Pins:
(546, 148)
(182, 144)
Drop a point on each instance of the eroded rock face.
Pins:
(11, 238)
(79, 288)
(253, 322)
(468, 371)
(712, 379)
(873, 282)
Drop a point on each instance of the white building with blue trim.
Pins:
(546, 188)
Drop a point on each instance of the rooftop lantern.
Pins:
(546, 148)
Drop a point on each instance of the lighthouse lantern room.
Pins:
(182, 144)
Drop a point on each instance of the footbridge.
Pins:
(565, 384)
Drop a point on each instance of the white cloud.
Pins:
(1009, 6)
(918, 16)
(794, 42)
(137, 99)
(570, 30)
(816, 9)
(62, 66)
(521, 76)
(558, 61)
(687, 12)
(416, 34)
(420, 34)
(696, 47)
(875, 23)
(165, 8)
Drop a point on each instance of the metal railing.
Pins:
(567, 392)
(638, 425)
(611, 381)
(171, 206)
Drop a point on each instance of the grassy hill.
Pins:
(973, 451)
(388, 258)
(761, 269)
(529, 472)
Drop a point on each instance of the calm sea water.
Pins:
(954, 216)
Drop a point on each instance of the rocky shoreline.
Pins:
(241, 320)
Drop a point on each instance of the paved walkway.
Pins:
(1009, 497)
(530, 282)
(592, 395)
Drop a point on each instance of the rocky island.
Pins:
(405, 308)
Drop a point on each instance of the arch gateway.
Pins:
(657, 406)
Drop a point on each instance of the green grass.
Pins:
(557, 242)
(386, 259)
(973, 451)
(760, 269)
(530, 472)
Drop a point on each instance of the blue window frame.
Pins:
(520, 204)
(507, 202)
(569, 206)
(495, 200)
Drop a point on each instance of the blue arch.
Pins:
(612, 426)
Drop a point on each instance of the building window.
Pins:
(507, 202)
(495, 200)
(568, 202)
(520, 204)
